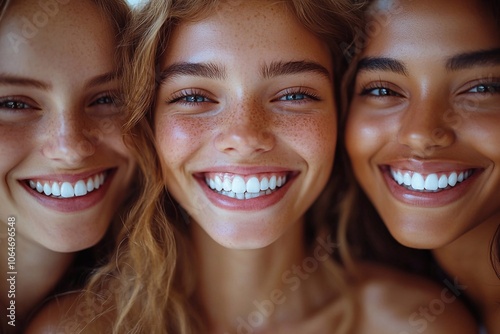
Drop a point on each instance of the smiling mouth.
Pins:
(245, 187)
(65, 189)
(434, 182)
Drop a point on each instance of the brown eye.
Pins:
(379, 91)
(14, 105)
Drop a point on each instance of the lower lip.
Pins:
(429, 199)
(252, 204)
(72, 204)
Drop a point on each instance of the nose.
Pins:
(245, 132)
(68, 141)
(427, 127)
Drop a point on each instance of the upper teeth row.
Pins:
(431, 182)
(67, 189)
(238, 185)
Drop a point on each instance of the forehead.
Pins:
(262, 28)
(34, 34)
(430, 26)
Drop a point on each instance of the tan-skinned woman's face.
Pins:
(423, 130)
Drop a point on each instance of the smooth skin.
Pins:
(426, 105)
(58, 123)
(238, 100)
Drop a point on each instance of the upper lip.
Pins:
(428, 167)
(244, 170)
(67, 177)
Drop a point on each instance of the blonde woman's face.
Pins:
(245, 122)
(63, 165)
(424, 125)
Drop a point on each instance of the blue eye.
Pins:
(294, 97)
(190, 97)
(493, 88)
(194, 99)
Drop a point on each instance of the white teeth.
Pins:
(56, 190)
(452, 179)
(80, 188)
(253, 185)
(417, 181)
(264, 183)
(67, 189)
(432, 182)
(97, 182)
(236, 187)
(218, 183)
(272, 182)
(227, 185)
(443, 182)
(239, 186)
(407, 179)
(90, 185)
(47, 189)
(399, 178)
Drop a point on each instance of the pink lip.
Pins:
(428, 167)
(254, 204)
(72, 204)
(428, 199)
(67, 177)
(245, 170)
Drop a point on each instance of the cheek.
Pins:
(177, 138)
(314, 137)
(15, 143)
(363, 137)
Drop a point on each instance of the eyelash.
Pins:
(493, 84)
(110, 96)
(369, 89)
(14, 103)
(298, 91)
(189, 93)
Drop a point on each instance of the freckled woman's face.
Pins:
(424, 123)
(245, 122)
(64, 168)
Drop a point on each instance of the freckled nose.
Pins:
(68, 141)
(245, 133)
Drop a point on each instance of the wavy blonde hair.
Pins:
(146, 287)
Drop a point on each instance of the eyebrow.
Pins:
(25, 82)
(280, 68)
(473, 59)
(208, 70)
(382, 64)
(102, 79)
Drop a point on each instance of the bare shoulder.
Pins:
(70, 313)
(399, 302)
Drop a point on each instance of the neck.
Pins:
(468, 261)
(253, 290)
(30, 276)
